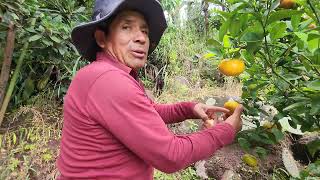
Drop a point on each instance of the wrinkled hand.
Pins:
(235, 119)
(207, 112)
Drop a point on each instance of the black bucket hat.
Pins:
(83, 35)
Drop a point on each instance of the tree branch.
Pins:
(7, 60)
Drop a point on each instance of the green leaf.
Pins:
(299, 98)
(235, 27)
(35, 37)
(253, 33)
(313, 147)
(252, 47)
(294, 106)
(238, 6)
(224, 29)
(315, 105)
(247, 56)
(262, 152)
(208, 55)
(30, 29)
(314, 85)
(268, 138)
(302, 36)
(277, 134)
(316, 57)
(315, 110)
(47, 43)
(244, 143)
(62, 50)
(291, 77)
(301, 45)
(216, 51)
(312, 36)
(278, 30)
(214, 43)
(226, 42)
(243, 20)
(55, 39)
(223, 14)
(313, 44)
(251, 37)
(295, 21)
(281, 14)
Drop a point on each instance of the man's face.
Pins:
(128, 40)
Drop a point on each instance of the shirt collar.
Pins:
(103, 56)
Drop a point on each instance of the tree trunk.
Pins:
(7, 59)
(205, 7)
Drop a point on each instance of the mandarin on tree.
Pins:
(231, 67)
(231, 105)
(287, 4)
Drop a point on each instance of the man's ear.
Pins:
(100, 37)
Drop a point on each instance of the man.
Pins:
(112, 130)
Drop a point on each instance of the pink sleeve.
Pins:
(118, 103)
(174, 113)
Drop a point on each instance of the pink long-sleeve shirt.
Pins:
(112, 130)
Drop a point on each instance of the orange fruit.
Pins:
(231, 105)
(232, 67)
(287, 4)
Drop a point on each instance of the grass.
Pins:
(29, 146)
(180, 92)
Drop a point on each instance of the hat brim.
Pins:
(83, 35)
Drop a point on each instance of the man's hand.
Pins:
(206, 112)
(235, 119)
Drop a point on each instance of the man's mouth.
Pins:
(139, 53)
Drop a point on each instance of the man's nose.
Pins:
(140, 37)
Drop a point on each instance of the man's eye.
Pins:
(125, 27)
(145, 32)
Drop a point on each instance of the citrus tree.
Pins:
(280, 44)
